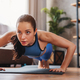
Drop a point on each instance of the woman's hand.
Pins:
(57, 70)
(2, 69)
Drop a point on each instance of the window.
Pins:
(10, 10)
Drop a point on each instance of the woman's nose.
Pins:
(23, 36)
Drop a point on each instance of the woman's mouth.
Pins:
(23, 42)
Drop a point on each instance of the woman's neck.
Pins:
(33, 41)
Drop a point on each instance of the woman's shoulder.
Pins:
(10, 33)
(41, 33)
(6, 38)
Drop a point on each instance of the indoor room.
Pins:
(39, 39)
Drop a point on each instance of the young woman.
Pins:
(36, 44)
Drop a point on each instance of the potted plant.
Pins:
(55, 15)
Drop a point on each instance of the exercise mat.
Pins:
(31, 69)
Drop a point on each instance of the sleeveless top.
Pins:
(34, 50)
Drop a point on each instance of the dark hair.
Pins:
(19, 49)
(27, 18)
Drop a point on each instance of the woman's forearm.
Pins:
(68, 56)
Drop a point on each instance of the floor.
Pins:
(70, 74)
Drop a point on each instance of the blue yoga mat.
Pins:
(31, 69)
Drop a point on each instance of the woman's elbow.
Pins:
(73, 47)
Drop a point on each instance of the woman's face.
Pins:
(25, 33)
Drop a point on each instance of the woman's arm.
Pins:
(61, 42)
(6, 38)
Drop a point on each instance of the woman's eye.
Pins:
(19, 32)
(27, 32)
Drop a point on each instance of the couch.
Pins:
(6, 55)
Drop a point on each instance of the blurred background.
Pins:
(10, 10)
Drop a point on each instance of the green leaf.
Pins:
(70, 25)
(64, 18)
(45, 10)
(60, 30)
(64, 13)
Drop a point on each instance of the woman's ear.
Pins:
(35, 31)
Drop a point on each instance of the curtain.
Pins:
(35, 7)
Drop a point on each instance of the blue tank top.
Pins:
(33, 50)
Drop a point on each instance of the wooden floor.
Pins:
(70, 74)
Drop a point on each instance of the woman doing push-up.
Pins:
(37, 44)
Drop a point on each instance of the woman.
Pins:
(36, 44)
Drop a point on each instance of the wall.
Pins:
(49, 3)
(65, 5)
(35, 7)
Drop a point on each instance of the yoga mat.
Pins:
(31, 69)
